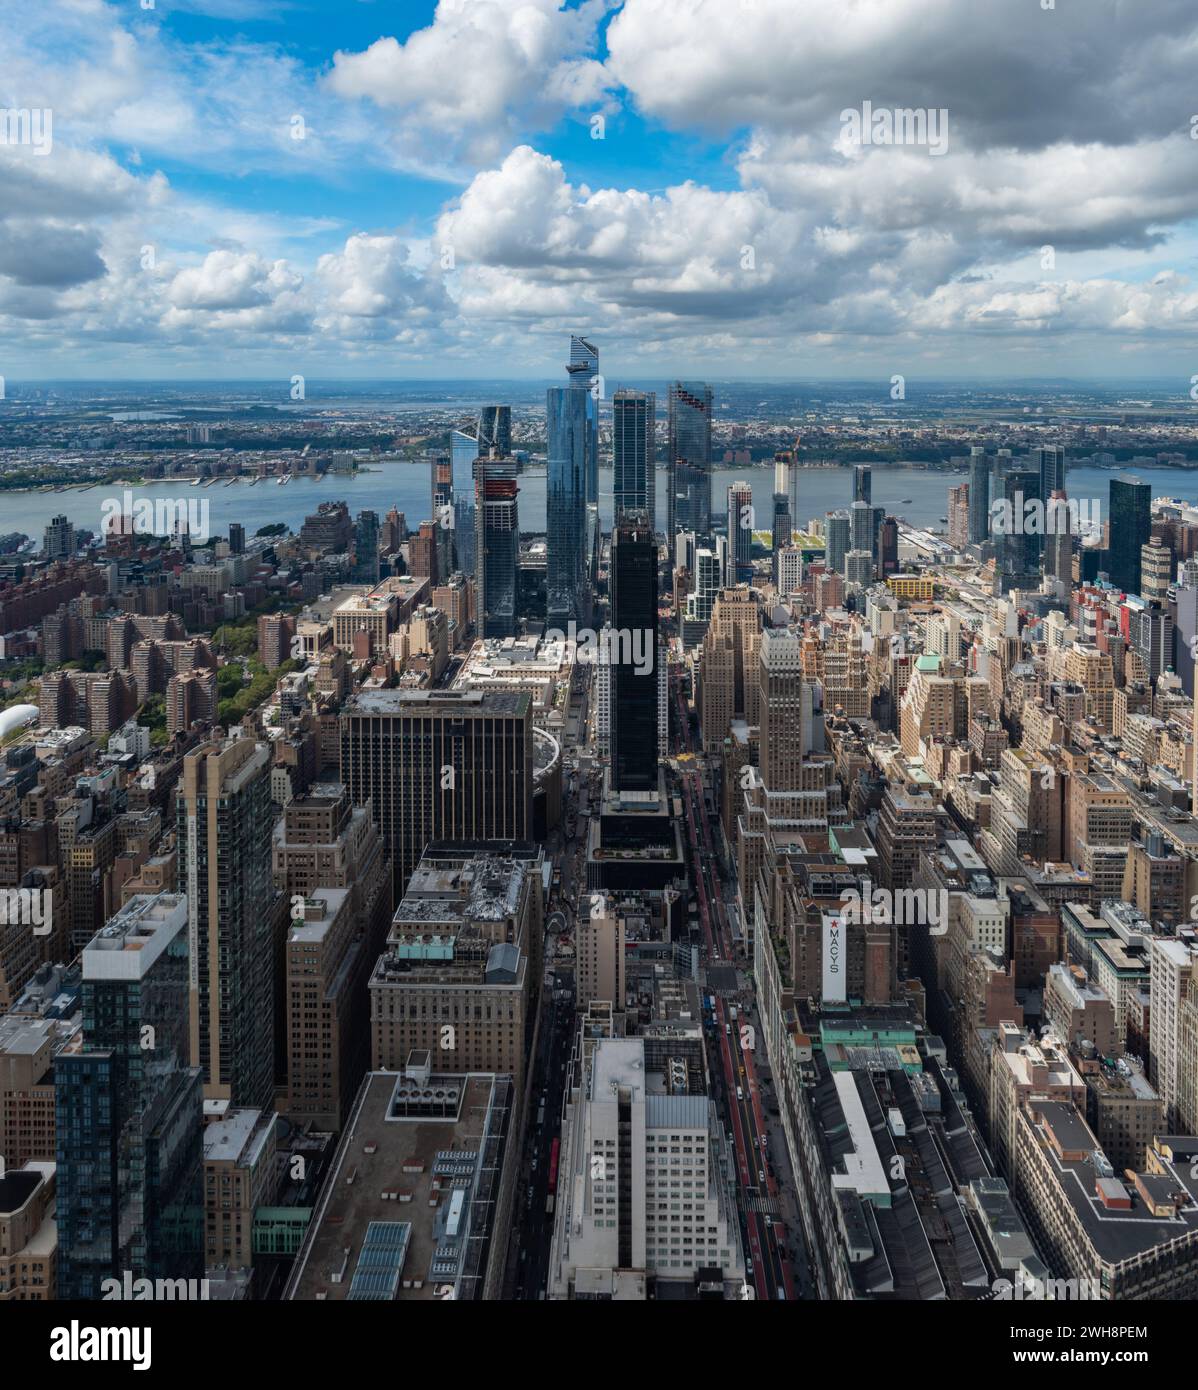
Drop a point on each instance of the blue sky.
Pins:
(448, 210)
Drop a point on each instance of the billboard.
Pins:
(835, 959)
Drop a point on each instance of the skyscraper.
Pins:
(740, 533)
(1131, 525)
(1050, 464)
(439, 765)
(583, 370)
(496, 544)
(463, 452)
(836, 527)
(689, 458)
(236, 538)
(59, 539)
(635, 661)
(225, 821)
(1058, 543)
(979, 496)
(366, 548)
(129, 1110)
(887, 547)
(1020, 543)
(958, 516)
(569, 426)
(861, 526)
(634, 452)
(495, 429)
(862, 483)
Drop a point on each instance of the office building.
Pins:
(635, 667)
(1049, 462)
(634, 454)
(459, 975)
(130, 1116)
(646, 1185)
(569, 413)
(1130, 527)
(495, 429)
(366, 548)
(688, 458)
(583, 371)
(420, 1199)
(496, 544)
(463, 451)
(862, 483)
(439, 765)
(979, 496)
(225, 820)
(740, 533)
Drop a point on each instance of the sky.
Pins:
(378, 188)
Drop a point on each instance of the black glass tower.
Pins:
(634, 655)
(689, 459)
(1131, 525)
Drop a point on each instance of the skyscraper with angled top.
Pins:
(689, 458)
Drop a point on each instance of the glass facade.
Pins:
(690, 458)
(129, 1113)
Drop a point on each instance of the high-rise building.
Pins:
(1019, 555)
(740, 533)
(635, 664)
(439, 765)
(1156, 570)
(1058, 543)
(568, 412)
(583, 371)
(634, 453)
(496, 544)
(366, 548)
(236, 538)
(59, 539)
(689, 458)
(1131, 525)
(958, 516)
(888, 547)
(628, 1211)
(129, 1110)
(225, 822)
(862, 483)
(1049, 462)
(979, 496)
(495, 429)
(464, 451)
(836, 540)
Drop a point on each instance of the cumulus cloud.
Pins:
(482, 72)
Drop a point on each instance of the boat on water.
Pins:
(904, 501)
(286, 478)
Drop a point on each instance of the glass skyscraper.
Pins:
(634, 665)
(583, 371)
(979, 496)
(495, 429)
(496, 544)
(566, 502)
(463, 451)
(634, 452)
(129, 1110)
(689, 458)
(1131, 525)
